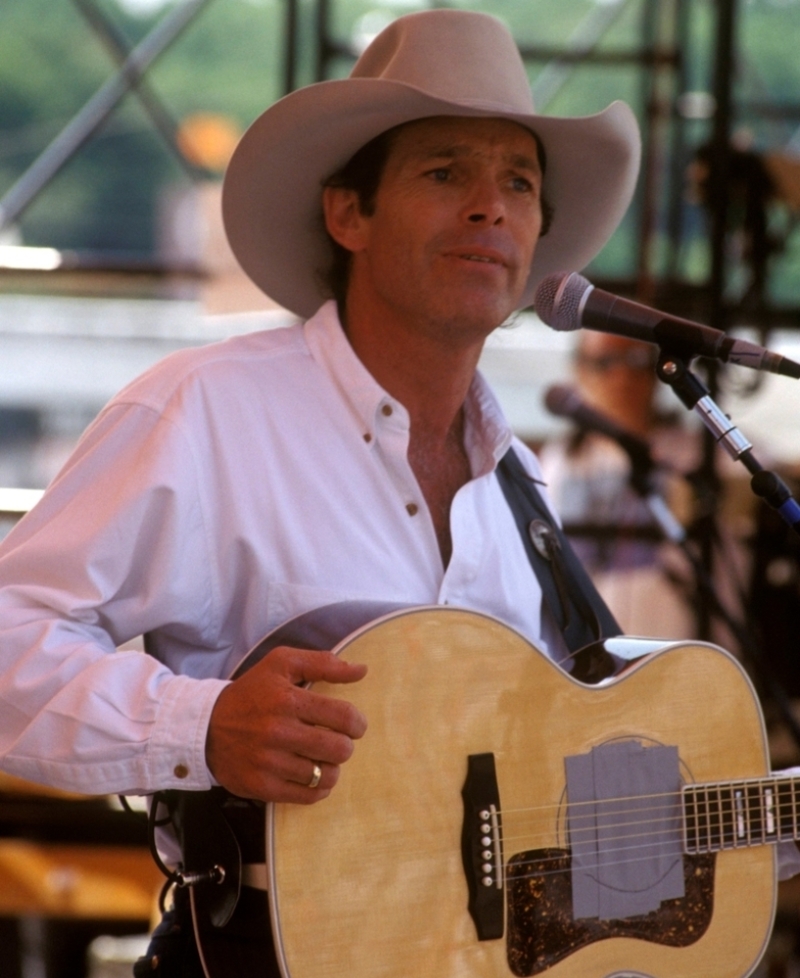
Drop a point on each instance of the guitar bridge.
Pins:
(481, 847)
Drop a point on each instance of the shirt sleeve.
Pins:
(788, 854)
(116, 548)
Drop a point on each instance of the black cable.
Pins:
(153, 823)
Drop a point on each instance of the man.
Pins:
(354, 457)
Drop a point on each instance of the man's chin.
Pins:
(483, 311)
(458, 309)
(468, 321)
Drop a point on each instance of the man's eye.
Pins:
(522, 184)
(440, 174)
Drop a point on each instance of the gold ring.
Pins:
(316, 777)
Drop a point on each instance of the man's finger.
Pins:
(320, 710)
(304, 665)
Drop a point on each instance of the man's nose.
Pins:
(485, 204)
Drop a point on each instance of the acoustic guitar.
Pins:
(502, 817)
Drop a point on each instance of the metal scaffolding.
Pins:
(659, 58)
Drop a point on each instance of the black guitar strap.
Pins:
(567, 589)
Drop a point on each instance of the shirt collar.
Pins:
(331, 349)
(488, 434)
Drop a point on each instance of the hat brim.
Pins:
(271, 197)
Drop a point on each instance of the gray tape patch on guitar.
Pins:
(624, 823)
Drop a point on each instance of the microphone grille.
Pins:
(558, 300)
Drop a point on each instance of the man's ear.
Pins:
(343, 218)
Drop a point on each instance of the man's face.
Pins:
(617, 375)
(456, 219)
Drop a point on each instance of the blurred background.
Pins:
(117, 118)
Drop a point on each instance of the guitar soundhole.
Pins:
(541, 928)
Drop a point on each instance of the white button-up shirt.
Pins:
(228, 489)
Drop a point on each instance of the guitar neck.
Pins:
(737, 814)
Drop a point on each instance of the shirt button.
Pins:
(412, 509)
(181, 771)
(368, 438)
(386, 410)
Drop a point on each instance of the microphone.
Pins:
(567, 301)
(565, 402)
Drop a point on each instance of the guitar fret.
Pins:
(702, 813)
(690, 815)
(709, 793)
(755, 814)
(785, 792)
(742, 837)
(768, 791)
(714, 821)
(728, 824)
(700, 819)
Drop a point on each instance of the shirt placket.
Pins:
(467, 535)
(390, 438)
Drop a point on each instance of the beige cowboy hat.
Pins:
(432, 63)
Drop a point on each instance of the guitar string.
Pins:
(632, 854)
(709, 790)
(578, 833)
(711, 811)
(670, 836)
(725, 824)
(557, 860)
(715, 828)
(623, 843)
(542, 862)
(717, 841)
(662, 836)
(541, 872)
(659, 837)
(719, 836)
(629, 854)
(698, 823)
(630, 857)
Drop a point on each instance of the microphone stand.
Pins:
(693, 393)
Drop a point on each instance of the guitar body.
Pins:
(371, 881)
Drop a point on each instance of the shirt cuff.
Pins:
(176, 754)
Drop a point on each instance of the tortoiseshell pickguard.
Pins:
(541, 930)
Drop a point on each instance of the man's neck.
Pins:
(428, 376)
(431, 379)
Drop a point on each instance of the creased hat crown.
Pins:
(482, 66)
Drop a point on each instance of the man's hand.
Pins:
(267, 733)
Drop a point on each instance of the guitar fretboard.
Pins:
(736, 814)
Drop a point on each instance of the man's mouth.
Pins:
(484, 257)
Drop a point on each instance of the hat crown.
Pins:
(461, 57)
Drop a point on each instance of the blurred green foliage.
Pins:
(228, 60)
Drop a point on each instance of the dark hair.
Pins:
(362, 173)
